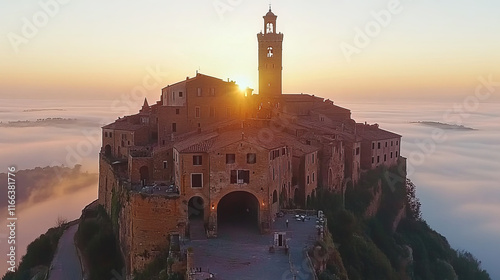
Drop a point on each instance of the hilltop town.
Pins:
(208, 150)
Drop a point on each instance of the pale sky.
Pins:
(102, 49)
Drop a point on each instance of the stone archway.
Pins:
(107, 151)
(238, 209)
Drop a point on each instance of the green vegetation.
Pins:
(156, 270)
(115, 209)
(39, 255)
(96, 240)
(375, 246)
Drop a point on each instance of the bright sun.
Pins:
(243, 83)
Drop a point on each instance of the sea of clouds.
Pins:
(457, 178)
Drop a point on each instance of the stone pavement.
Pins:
(241, 253)
(66, 264)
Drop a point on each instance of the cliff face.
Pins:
(380, 235)
(143, 222)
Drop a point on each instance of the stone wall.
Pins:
(146, 221)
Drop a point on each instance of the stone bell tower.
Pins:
(270, 58)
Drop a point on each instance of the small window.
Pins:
(307, 179)
(240, 177)
(111, 134)
(373, 146)
(180, 93)
(373, 159)
(378, 159)
(313, 177)
(243, 176)
(379, 145)
(197, 160)
(391, 154)
(386, 144)
(197, 112)
(196, 180)
(385, 157)
(199, 92)
(251, 158)
(165, 164)
(392, 143)
(397, 143)
(105, 134)
(174, 127)
(312, 158)
(357, 151)
(396, 154)
(177, 111)
(230, 158)
(308, 142)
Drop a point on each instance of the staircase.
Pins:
(197, 230)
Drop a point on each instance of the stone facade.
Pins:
(207, 149)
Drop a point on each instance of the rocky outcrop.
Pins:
(374, 205)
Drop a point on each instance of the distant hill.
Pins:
(444, 125)
(40, 184)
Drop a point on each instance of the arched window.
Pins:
(269, 28)
(270, 52)
(275, 196)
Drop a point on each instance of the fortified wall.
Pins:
(144, 221)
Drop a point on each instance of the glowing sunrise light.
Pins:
(244, 83)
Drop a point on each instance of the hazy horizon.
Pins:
(90, 49)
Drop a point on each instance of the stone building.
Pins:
(207, 155)
(378, 147)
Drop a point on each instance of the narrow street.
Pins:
(66, 264)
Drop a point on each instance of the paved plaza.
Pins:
(240, 252)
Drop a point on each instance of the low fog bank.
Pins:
(54, 122)
(37, 133)
(37, 185)
(456, 174)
